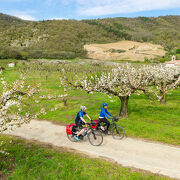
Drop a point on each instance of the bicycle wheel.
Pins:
(95, 138)
(117, 132)
(71, 138)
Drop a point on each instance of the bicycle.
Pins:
(95, 137)
(116, 131)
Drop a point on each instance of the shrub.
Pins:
(116, 50)
(177, 51)
(178, 56)
(9, 53)
(163, 60)
(146, 60)
(58, 55)
(24, 55)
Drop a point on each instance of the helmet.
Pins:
(83, 107)
(104, 104)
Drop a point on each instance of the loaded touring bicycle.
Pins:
(94, 132)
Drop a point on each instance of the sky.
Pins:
(88, 9)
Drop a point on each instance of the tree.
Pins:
(121, 82)
(165, 78)
(12, 101)
(125, 80)
(15, 108)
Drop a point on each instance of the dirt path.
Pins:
(154, 157)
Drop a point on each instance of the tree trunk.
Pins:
(124, 106)
(163, 97)
(65, 101)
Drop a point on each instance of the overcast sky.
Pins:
(87, 9)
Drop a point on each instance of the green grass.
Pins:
(130, 61)
(28, 161)
(147, 119)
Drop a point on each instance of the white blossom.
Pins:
(12, 96)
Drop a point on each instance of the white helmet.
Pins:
(83, 107)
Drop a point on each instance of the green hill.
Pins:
(66, 38)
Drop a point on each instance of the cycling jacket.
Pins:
(77, 118)
(104, 113)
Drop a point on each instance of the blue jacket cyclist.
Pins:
(79, 120)
(102, 117)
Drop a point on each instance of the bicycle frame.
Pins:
(89, 129)
(113, 121)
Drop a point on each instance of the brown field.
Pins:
(135, 51)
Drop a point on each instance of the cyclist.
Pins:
(79, 120)
(102, 117)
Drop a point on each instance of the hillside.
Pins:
(66, 38)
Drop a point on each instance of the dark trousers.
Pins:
(105, 121)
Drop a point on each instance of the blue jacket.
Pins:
(104, 113)
(78, 117)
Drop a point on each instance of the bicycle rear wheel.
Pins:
(95, 138)
(117, 132)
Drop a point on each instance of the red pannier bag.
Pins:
(95, 123)
(69, 128)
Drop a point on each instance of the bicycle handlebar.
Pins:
(89, 124)
(115, 117)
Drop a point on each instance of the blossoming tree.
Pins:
(121, 82)
(165, 79)
(12, 102)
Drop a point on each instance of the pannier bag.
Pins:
(69, 128)
(95, 123)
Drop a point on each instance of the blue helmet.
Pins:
(104, 104)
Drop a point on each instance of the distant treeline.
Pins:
(65, 39)
(24, 54)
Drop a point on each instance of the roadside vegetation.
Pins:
(28, 160)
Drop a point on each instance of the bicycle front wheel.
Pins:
(95, 138)
(117, 132)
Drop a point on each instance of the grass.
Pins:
(28, 161)
(148, 120)
(130, 61)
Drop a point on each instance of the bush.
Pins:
(155, 60)
(24, 55)
(177, 56)
(58, 55)
(34, 54)
(147, 60)
(177, 51)
(116, 50)
(1, 68)
(163, 60)
(9, 53)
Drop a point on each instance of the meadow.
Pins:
(147, 120)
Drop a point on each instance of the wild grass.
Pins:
(26, 161)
